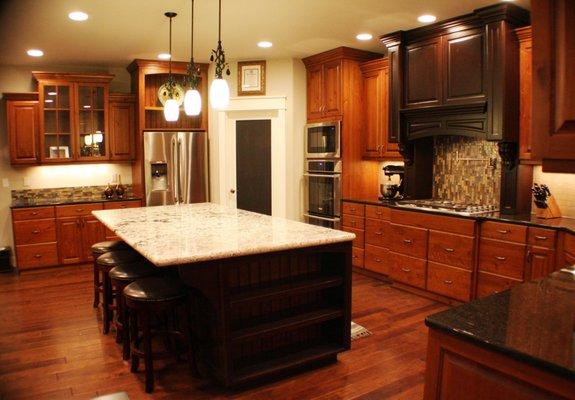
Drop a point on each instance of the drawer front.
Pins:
(77, 209)
(506, 259)
(408, 240)
(377, 232)
(353, 221)
(357, 257)
(569, 244)
(408, 270)
(569, 259)
(450, 249)
(353, 209)
(359, 236)
(436, 222)
(37, 255)
(377, 259)
(377, 212)
(502, 231)
(488, 284)
(449, 281)
(114, 205)
(23, 214)
(542, 237)
(35, 231)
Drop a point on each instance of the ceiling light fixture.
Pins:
(219, 90)
(78, 16)
(265, 44)
(427, 18)
(171, 107)
(192, 99)
(364, 36)
(164, 56)
(35, 53)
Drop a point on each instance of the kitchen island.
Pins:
(272, 296)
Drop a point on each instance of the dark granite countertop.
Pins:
(532, 322)
(55, 201)
(565, 224)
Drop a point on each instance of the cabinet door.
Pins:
(331, 77)
(423, 74)
(92, 232)
(57, 121)
(70, 240)
(525, 93)
(22, 121)
(122, 130)
(541, 261)
(464, 67)
(372, 121)
(92, 139)
(314, 92)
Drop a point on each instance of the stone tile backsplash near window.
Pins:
(82, 193)
(463, 170)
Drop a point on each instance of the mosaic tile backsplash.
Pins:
(78, 193)
(466, 170)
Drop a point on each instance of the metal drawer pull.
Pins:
(35, 231)
(449, 250)
(37, 255)
(407, 241)
(34, 212)
(378, 212)
(354, 256)
(503, 231)
(448, 282)
(541, 237)
(378, 233)
(79, 210)
(352, 209)
(501, 258)
(378, 260)
(405, 269)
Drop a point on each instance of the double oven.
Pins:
(323, 174)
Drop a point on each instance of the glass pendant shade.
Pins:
(192, 102)
(171, 110)
(219, 94)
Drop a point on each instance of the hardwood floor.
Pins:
(51, 348)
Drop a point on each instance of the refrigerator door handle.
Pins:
(180, 198)
(175, 170)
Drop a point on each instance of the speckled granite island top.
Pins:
(189, 233)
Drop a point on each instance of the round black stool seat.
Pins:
(110, 245)
(132, 271)
(114, 258)
(155, 289)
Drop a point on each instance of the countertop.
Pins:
(190, 233)
(56, 201)
(532, 322)
(565, 224)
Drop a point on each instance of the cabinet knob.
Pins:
(500, 258)
(378, 260)
(448, 282)
(503, 231)
(35, 231)
(378, 233)
(79, 210)
(405, 269)
(37, 255)
(449, 250)
(407, 241)
(540, 237)
(34, 212)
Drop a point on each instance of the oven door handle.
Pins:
(322, 175)
(322, 218)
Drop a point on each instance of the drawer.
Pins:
(37, 255)
(450, 249)
(502, 231)
(35, 231)
(23, 214)
(353, 209)
(359, 236)
(569, 259)
(408, 270)
(352, 221)
(377, 232)
(449, 281)
(408, 240)
(77, 209)
(569, 244)
(506, 259)
(542, 237)
(377, 212)
(357, 257)
(436, 222)
(488, 284)
(377, 259)
(114, 205)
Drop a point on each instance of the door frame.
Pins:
(254, 108)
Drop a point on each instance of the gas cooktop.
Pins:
(448, 206)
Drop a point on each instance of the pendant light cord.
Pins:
(192, 35)
(220, 21)
(170, 62)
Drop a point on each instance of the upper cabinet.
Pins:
(324, 90)
(526, 140)
(554, 83)
(423, 73)
(122, 108)
(22, 117)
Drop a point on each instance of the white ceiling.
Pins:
(120, 30)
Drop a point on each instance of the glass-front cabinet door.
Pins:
(92, 126)
(57, 121)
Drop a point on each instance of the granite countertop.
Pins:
(566, 224)
(189, 233)
(533, 322)
(54, 201)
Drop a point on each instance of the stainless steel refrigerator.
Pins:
(176, 167)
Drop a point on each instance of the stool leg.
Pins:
(135, 361)
(96, 284)
(187, 328)
(148, 356)
(106, 303)
(119, 318)
(126, 330)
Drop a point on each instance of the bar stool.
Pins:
(120, 277)
(152, 296)
(105, 263)
(97, 250)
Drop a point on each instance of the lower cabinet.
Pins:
(116, 205)
(69, 233)
(409, 270)
(35, 237)
(78, 230)
(449, 281)
(488, 284)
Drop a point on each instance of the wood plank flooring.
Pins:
(51, 348)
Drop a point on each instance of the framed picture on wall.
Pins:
(251, 78)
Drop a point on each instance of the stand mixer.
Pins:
(390, 190)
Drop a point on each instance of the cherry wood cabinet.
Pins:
(35, 237)
(528, 150)
(423, 73)
(122, 111)
(22, 118)
(115, 206)
(324, 90)
(78, 230)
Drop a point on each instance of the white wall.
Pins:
(562, 186)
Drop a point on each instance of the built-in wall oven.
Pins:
(323, 192)
(322, 140)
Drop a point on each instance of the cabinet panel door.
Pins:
(372, 123)
(541, 261)
(22, 120)
(122, 130)
(525, 93)
(464, 67)
(92, 232)
(332, 89)
(314, 92)
(423, 74)
(69, 240)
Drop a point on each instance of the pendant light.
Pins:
(192, 99)
(171, 107)
(219, 90)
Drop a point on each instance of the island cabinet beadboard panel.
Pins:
(22, 118)
(122, 111)
(449, 281)
(505, 259)
(454, 250)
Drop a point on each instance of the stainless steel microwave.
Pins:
(323, 140)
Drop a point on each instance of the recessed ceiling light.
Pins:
(364, 36)
(264, 44)
(427, 18)
(78, 16)
(35, 53)
(164, 56)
